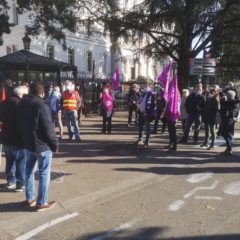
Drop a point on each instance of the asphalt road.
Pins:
(107, 188)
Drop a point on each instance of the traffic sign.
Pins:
(205, 62)
(210, 71)
(203, 66)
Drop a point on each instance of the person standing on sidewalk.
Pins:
(55, 106)
(9, 88)
(71, 103)
(132, 98)
(161, 106)
(146, 114)
(228, 113)
(183, 111)
(39, 140)
(211, 109)
(107, 107)
(194, 106)
(11, 138)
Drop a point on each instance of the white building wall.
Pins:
(81, 44)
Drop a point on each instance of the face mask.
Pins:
(69, 88)
(78, 88)
(56, 93)
(42, 95)
(105, 90)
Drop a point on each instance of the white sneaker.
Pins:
(11, 186)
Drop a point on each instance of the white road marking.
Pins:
(41, 228)
(199, 177)
(212, 187)
(232, 188)
(115, 231)
(208, 198)
(175, 206)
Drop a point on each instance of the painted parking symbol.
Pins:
(232, 189)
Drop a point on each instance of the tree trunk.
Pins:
(183, 71)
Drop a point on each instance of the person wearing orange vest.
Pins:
(70, 104)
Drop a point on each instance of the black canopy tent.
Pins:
(26, 61)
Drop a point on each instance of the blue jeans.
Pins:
(15, 165)
(44, 160)
(72, 119)
(228, 140)
(142, 120)
(196, 118)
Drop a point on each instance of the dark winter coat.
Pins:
(211, 109)
(228, 112)
(133, 97)
(195, 104)
(35, 125)
(10, 135)
(9, 91)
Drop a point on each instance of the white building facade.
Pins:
(83, 50)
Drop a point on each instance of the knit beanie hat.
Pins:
(231, 95)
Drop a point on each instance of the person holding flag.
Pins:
(146, 113)
(172, 113)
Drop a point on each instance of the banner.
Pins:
(164, 79)
(115, 81)
(174, 100)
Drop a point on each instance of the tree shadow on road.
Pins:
(153, 233)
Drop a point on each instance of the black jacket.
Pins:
(195, 104)
(229, 111)
(211, 109)
(35, 125)
(8, 116)
(9, 91)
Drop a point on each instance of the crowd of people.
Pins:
(28, 121)
(211, 109)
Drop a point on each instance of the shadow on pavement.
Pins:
(153, 233)
(144, 233)
(15, 207)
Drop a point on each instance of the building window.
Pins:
(11, 48)
(50, 51)
(14, 48)
(70, 56)
(132, 73)
(8, 50)
(15, 14)
(89, 61)
(105, 60)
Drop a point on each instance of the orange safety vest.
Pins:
(70, 100)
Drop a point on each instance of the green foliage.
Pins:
(172, 26)
(53, 17)
(226, 43)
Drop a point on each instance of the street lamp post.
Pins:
(93, 84)
(26, 44)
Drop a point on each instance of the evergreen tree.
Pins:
(172, 25)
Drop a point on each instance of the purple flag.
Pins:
(174, 100)
(164, 79)
(164, 76)
(115, 81)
